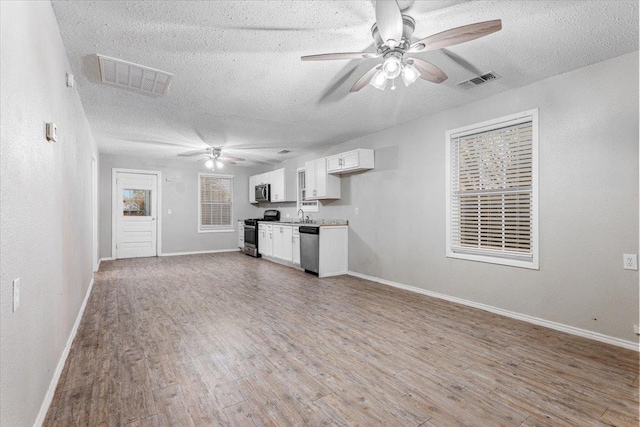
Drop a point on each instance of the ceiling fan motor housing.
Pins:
(408, 25)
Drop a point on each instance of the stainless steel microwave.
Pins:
(263, 193)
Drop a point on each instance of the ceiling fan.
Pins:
(392, 35)
(213, 157)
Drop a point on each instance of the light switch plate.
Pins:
(16, 294)
(630, 261)
(169, 211)
(51, 131)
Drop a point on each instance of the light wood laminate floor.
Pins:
(226, 339)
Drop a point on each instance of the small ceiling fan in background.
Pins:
(213, 157)
(392, 34)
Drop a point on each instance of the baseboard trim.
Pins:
(217, 251)
(512, 314)
(106, 259)
(65, 353)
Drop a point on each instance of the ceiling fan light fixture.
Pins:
(392, 67)
(209, 163)
(409, 74)
(379, 80)
(219, 164)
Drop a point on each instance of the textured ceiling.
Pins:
(239, 82)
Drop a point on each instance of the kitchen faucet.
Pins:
(300, 210)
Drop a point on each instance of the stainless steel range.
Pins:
(251, 231)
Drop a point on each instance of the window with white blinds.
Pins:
(303, 203)
(492, 191)
(215, 197)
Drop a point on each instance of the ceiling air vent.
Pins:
(467, 84)
(283, 151)
(128, 75)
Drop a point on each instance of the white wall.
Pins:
(45, 207)
(588, 202)
(180, 194)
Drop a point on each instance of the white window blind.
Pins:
(215, 197)
(491, 193)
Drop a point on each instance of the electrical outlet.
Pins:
(636, 329)
(357, 211)
(169, 211)
(630, 261)
(16, 294)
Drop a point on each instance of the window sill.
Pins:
(530, 264)
(222, 230)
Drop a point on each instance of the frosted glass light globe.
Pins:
(392, 67)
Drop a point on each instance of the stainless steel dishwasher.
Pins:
(310, 249)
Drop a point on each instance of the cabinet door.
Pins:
(241, 235)
(262, 241)
(287, 248)
(321, 177)
(276, 179)
(269, 241)
(310, 178)
(351, 160)
(252, 189)
(334, 163)
(295, 256)
(277, 243)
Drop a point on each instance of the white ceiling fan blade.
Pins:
(194, 153)
(428, 71)
(231, 158)
(344, 55)
(365, 79)
(456, 36)
(389, 21)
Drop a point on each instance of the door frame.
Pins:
(114, 207)
(94, 212)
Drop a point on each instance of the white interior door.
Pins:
(136, 225)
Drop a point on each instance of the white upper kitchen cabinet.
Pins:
(321, 185)
(283, 185)
(351, 161)
(263, 178)
(252, 189)
(282, 182)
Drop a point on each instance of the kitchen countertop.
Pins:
(315, 223)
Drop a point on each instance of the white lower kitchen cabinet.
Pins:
(283, 242)
(334, 251)
(265, 239)
(241, 234)
(280, 242)
(295, 237)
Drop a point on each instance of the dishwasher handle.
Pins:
(309, 230)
